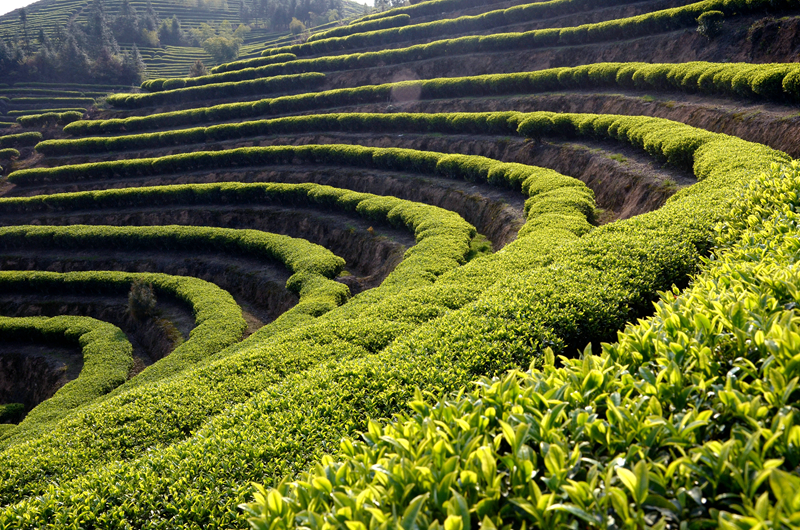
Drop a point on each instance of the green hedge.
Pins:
(43, 111)
(467, 167)
(246, 63)
(20, 140)
(218, 318)
(54, 101)
(312, 266)
(8, 153)
(442, 244)
(360, 27)
(453, 26)
(774, 82)
(218, 90)
(432, 7)
(548, 289)
(107, 360)
(157, 85)
(660, 412)
(49, 119)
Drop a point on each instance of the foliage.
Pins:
(435, 330)
(107, 360)
(11, 413)
(49, 119)
(142, 301)
(709, 24)
(640, 25)
(660, 428)
(174, 91)
(776, 82)
(198, 69)
(21, 139)
(361, 27)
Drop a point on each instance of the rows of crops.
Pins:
(404, 275)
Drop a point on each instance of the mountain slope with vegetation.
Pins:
(115, 41)
(455, 265)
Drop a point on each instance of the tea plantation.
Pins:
(458, 264)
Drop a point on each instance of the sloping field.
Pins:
(455, 265)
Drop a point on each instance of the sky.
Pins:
(11, 5)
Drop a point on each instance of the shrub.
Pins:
(709, 24)
(142, 301)
(11, 413)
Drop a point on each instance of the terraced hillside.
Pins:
(456, 265)
(169, 33)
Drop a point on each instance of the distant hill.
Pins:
(167, 49)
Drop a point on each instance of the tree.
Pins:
(23, 19)
(170, 32)
(142, 301)
(126, 24)
(197, 69)
(100, 38)
(150, 20)
(222, 49)
(296, 27)
(709, 24)
(245, 13)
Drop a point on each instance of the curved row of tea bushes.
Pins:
(772, 81)
(43, 111)
(157, 84)
(219, 90)
(8, 153)
(644, 24)
(218, 319)
(468, 167)
(360, 27)
(107, 360)
(21, 139)
(432, 7)
(690, 416)
(317, 295)
(54, 101)
(47, 119)
(312, 266)
(459, 26)
(547, 289)
(298, 255)
(442, 243)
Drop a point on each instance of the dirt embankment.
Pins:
(31, 373)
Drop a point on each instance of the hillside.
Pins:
(169, 35)
(453, 265)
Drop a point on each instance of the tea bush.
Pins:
(20, 140)
(107, 360)
(361, 27)
(658, 428)
(49, 119)
(764, 81)
(552, 288)
(217, 91)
